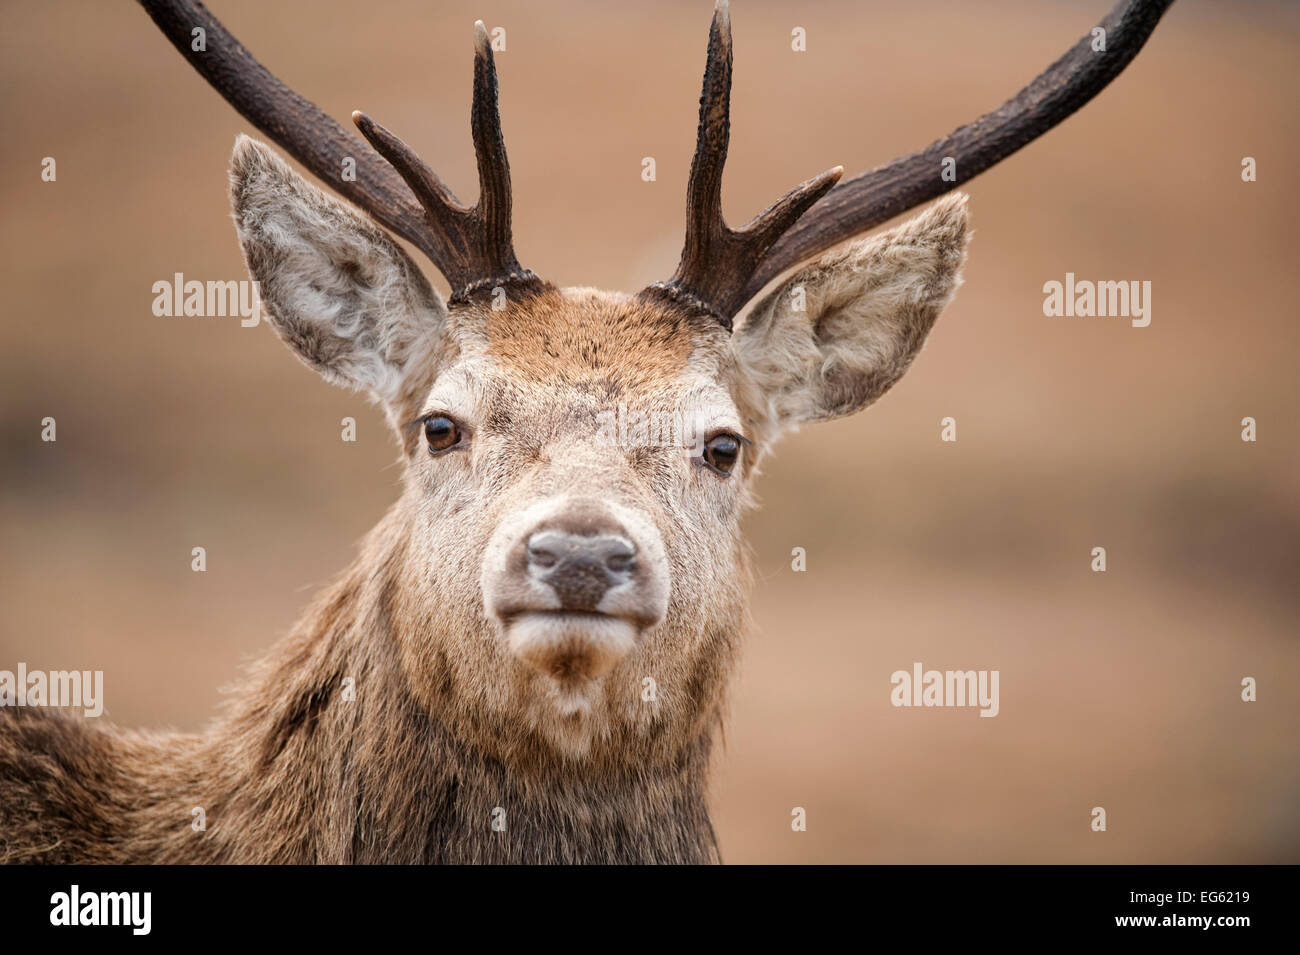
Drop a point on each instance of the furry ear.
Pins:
(338, 290)
(836, 336)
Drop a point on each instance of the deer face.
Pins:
(567, 550)
(598, 571)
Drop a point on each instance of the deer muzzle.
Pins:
(574, 585)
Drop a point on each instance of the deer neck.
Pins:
(327, 756)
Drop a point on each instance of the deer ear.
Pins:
(836, 336)
(337, 289)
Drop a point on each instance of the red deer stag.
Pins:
(537, 638)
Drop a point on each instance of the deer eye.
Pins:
(441, 433)
(721, 452)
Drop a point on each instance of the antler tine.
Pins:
(704, 224)
(722, 269)
(443, 211)
(471, 246)
(770, 224)
(476, 239)
(424, 182)
(493, 205)
(873, 197)
(717, 260)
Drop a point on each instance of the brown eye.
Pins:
(442, 433)
(721, 452)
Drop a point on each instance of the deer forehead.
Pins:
(571, 354)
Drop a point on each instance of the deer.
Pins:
(529, 659)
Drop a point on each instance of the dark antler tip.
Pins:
(720, 41)
(820, 185)
(824, 183)
(376, 134)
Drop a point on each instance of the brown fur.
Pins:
(448, 729)
(292, 774)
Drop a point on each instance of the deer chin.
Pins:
(574, 649)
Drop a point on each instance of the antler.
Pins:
(716, 259)
(721, 270)
(470, 245)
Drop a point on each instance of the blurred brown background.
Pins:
(1118, 689)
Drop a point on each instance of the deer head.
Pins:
(558, 577)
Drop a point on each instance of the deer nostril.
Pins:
(580, 568)
(540, 555)
(620, 556)
(620, 564)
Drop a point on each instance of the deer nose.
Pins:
(580, 568)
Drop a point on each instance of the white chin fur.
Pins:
(569, 646)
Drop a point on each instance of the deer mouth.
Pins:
(570, 645)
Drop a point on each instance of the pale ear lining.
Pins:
(337, 289)
(836, 336)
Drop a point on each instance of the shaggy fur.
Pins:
(867, 309)
(395, 724)
(346, 298)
